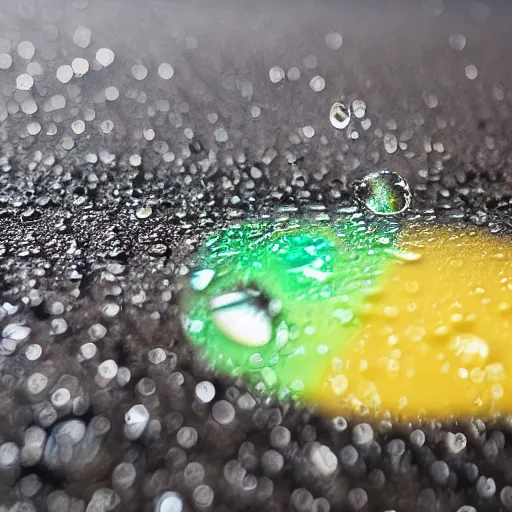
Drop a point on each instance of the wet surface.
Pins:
(128, 130)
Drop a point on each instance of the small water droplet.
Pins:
(243, 317)
(339, 115)
(200, 279)
(383, 193)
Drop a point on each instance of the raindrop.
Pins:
(359, 108)
(339, 115)
(276, 74)
(24, 82)
(333, 40)
(26, 50)
(5, 61)
(105, 56)
(64, 73)
(139, 72)
(242, 317)
(169, 502)
(308, 132)
(111, 93)
(200, 279)
(317, 83)
(34, 128)
(166, 71)
(383, 193)
(82, 37)
(471, 72)
(80, 66)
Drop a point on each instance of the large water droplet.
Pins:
(339, 115)
(383, 193)
(243, 317)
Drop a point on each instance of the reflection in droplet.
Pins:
(383, 193)
(200, 279)
(339, 115)
(242, 317)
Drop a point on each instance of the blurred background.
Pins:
(128, 129)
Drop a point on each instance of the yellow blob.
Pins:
(436, 341)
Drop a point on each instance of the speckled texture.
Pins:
(130, 128)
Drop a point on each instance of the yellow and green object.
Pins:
(362, 316)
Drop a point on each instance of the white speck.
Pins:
(33, 352)
(29, 106)
(26, 50)
(333, 40)
(317, 83)
(107, 126)
(82, 37)
(135, 160)
(5, 61)
(205, 392)
(308, 132)
(34, 128)
(110, 310)
(78, 126)
(323, 459)
(80, 66)
(221, 135)
(105, 56)
(166, 71)
(67, 142)
(144, 213)
(111, 93)
(58, 326)
(148, 133)
(24, 82)
(276, 74)
(255, 111)
(390, 142)
(34, 69)
(139, 72)
(471, 71)
(359, 108)
(88, 350)
(366, 124)
(64, 73)
(97, 332)
(169, 502)
(430, 100)
(457, 42)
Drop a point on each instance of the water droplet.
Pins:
(200, 279)
(383, 193)
(243, 317)
(276, 74)
(339, 115)
(471, 71)
(317, 83)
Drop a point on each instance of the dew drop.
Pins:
(242, 317)
(200, 279)
(339, 115)
(383, 193)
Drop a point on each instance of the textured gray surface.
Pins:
(107, 180)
